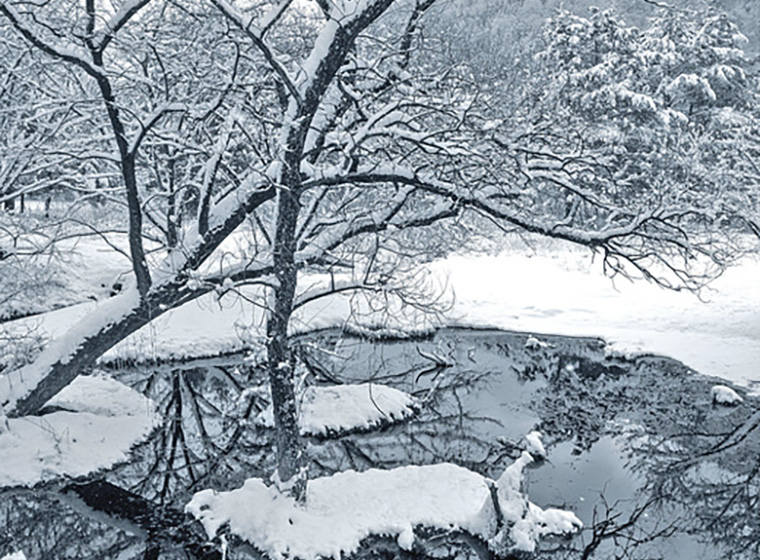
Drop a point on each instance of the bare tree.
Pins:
(333, 147)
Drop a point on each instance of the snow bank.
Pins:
(343, 509)
(103, 420)
(346, 508)
(209, 326)
(212, 325)
(345, 408)
(14, 556)
(535, 344)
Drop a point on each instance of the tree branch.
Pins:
(119, 20)
(62, 54)
(257, 38)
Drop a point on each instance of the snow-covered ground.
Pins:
(558, 289)
(100, 420)
(562, 290)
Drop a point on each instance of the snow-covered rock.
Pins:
(726, 396)
(534, 445)
(534, 343)
(347, 408)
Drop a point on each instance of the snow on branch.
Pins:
(256, 35)
(271, 18)
(385, 218)
(61, 53)
(127, 10)
(17, 384)
(212, 168)
(152, 120)
(346, 19)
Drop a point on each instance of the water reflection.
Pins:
(636, 448)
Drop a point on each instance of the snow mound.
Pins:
(14, 556)
(534, 343)
(534, 445)
(103, 420)
(725, 396)
(101, 395)
(347, 408)
(343, 509)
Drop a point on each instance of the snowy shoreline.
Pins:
(557, 290)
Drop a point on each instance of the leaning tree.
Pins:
(329, 134)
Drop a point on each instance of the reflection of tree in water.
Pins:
(707, 461)
(698, 463)
(699, 469)
(208, 437)
(44, 526)
(139, 505)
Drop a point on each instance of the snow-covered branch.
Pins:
(125, 13)
(256, 35)
(61, 53)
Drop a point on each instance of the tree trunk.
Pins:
(291, 463)
(88, 349)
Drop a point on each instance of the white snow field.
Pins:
(347, 507)
(563, 290)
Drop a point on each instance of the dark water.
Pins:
(635, 447)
